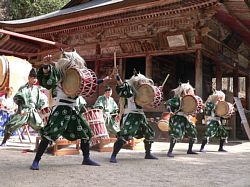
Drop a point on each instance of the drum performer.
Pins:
(179, 122)
(133, 122)
(110, 111)
(29, 99)
(66, 119)
(214, 122)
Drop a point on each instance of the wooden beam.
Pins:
(29, 55)
(120, 9)
(134, 55)
(9, 46)
(57, 44)
(26, 44)
(4, 39)
(233, 23)
(25, 55)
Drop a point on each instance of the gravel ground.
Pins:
(210, 169)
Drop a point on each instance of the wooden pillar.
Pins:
(149, 66)
(218, 76)
(236, 123)
(97, 64)
(97, 61)
(121, 68)
(198, 73)
(97, 67)
(235, 81)
(248, 89)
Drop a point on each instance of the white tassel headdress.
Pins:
(70, 59)
(136, 80)
(214, 97)
(183, 89)
(74, 59)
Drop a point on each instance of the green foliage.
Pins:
(20, 9)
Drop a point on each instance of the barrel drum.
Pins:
(14, 72)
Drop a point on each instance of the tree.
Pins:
(3, 9)
(20, 9)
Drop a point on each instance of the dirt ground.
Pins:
(210, 169)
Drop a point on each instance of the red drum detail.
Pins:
(97, 125)
(158, 98)
(79, 82)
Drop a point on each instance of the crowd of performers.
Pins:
(69, 118)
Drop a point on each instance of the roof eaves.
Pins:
(82, 7)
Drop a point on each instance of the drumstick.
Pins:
(165, 81)
(84, 107)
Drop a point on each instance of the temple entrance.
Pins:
(134, 63)
(181, 68)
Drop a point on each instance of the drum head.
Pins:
(3, 70)
(189, 104)
(163, 125)
(71, 82)
(222, 108)
(145, 95)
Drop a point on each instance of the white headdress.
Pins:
(183, 89)
(138, 79)
(70, 59)
(214, 97)
(74, 59)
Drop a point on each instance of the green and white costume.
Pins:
(65, 119)
(213, 122)
(179, 123)
(32, 100)
(109, 107)
(134, 122)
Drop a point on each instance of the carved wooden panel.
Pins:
(138, 46)
(78, 38)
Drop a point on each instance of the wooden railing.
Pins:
(224, 52)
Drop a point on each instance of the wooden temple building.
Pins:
(205, 42)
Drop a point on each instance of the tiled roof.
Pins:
(82, 7)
